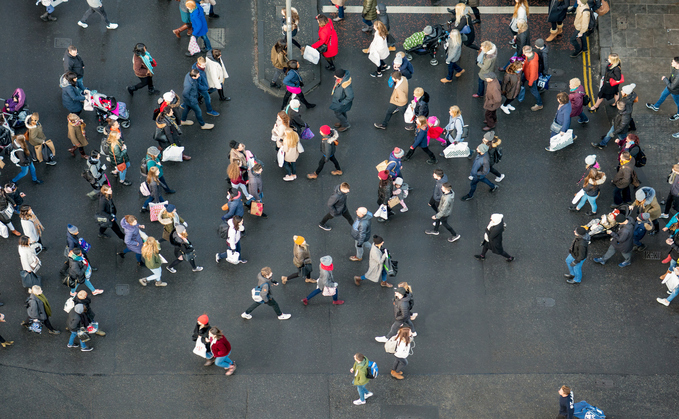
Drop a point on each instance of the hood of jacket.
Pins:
(366, 217)
(424, 98)
(492, 53)
(382, 8)
(346, 80)
(126, 226)
(261, 279)
(334, 135)
(650, 194)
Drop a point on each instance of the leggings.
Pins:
(144, 81)
(299, 273)
(177, 261)
(486, 248)
(507, 102)
(399, 364)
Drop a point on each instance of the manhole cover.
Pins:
(122, 289)
(546, 302)
(62, 42)
(217, 37)
(652, 255)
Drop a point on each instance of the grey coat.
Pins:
(265, 293)
(325, 279)
(377, 258)
(36, 308)
(453, 53)
(446, 205)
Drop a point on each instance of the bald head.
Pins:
(361, 212)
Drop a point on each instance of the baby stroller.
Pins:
(15, 110)
(599, 227)
(106, 107)
(430, 44)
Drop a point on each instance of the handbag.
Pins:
(311, 54)
(635, 179)
(409, 114)
(390, 81)
(257, 208)
(382, 212)
(200, 348)
(390, 345)
(543, 81)
(307, 134)
(84, 245)
(93, 327)
(232, 256)
(28, 279)
(466, 30)
(280, 156)
(144, 189)
(69, 282)
(193, 46)
(155, 209)
(322, 49)
(578, 196)
(460, 149)
(36, 265)
(329, 291)
(395, 200)
(382, 166)
(555, 127)
(603, 9)
(6, 214)
(82, 335)
(103, 221)
(69, 304)
(173, 153)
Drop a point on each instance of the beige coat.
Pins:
(76, 133)
(581, 21)
(399, 96)
(300, 255)
(292, 154)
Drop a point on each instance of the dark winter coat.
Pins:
(337, 203)
(511, 85)
(106, 207)
(133, 239)
(203, 86)
(422, 106)
(76, 270)
(342, 94)
(622, 241)
(421, 139)
(75, 321)
(672, 82)
(402, 308)
(361, 229)
(481, 166)
(235, 208)
(577, 98)
(36, 308)
(493, 98)
(385, 192)
(190, 93)
(86, 305)
(72, 98)
(74, 64)
(72, 241)
(621, 123)
(254, 184)
(522, 40)
(406, 69)
(543, 58)
(437, 188)
(557, 10)
(623, 178)
(495, 238)
(612, 74)
(382, 15)
(201, 332)
(579, 249)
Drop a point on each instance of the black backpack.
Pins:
(144, 169)
(223, 230)
(87, 175)
(640, 159)
(592, 21)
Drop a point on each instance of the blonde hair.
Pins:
(152, 175)
(455, 110)
(455, 37)
(150, 248)
(460, 11)
(575, 81)
(406, 287)
(522, 26)
(291, 139)
(113, 139)
(233, 171)
(614, 59)
(381, 29)
(518, 5)
(421, 121)
(486, 46)
(419, 92)
(201, 60)
(190, 4)
(400, 54)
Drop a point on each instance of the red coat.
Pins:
(530, 69)
(328, 36)
(220, 348)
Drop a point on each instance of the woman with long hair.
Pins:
(71, 96)
(280, 128)
(220, 349)
(22, 154)
(293, 85)
(379, 49)
(76, 133)
(236, 177)
(610, 87)
(106, 214)
(463, 24)
(31, 225)
(555, 16)
(511, 86)
(453, 56)
(150, 251)
(521, 11)
(409, 292)
(29, 260)
(117, 152)
(590, 185)
(233, 239)
(301, 258)
(142, 64)
(291, 148)
(153, 184)
(279, 60)
(183, 250)
(403, 344)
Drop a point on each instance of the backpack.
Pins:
(256, 291)
(592, 22)
(497, 156)
(640, 160)
(223, 230)
(373, 371)
(87, 175)
(584, 410)
(144, 168)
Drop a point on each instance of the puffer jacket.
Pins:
(592, 186)
(133, 239)
(300, 255)
(402, 308)
(361, 229)
(446, 205)
(342, 94)
(337, 203)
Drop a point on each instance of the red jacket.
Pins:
(530, 69)
(328, 36)
(220, 348)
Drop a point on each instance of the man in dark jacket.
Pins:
(235, 205)
(444, 210)
(566, 407)
(203, 87)
(577, 256)
(264, 283)
(623, 180)
(342, 98)
(77, 319)
(440, 179)
(542, 50)
(671, 89)
(402, 305)
(337, 205)
(39, 310)
(620, 126)
(73, 62)
(328, 145)
(361, 232)
(622, 241)
(190, 95)
(480, 169)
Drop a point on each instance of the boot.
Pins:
(559, 29)
(93, 195)
(43, 17)
(72, 150)
(311, 281)
(552, 35)
(209, 362)
(180, 29)
(397, 375)
(222, 97)
(6, 344)
(664, 275)
(284, 279)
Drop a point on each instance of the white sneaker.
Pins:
(217, 257)
(414, 334)
(207, 126)
(246, 315)
(284, 316)
(288, 178)
(663, 301)
(82, 24)
(143, 282)
(505, 109)
(511, 107)
(471, 178)
(112, 26)
(413, 316)
(161, 284)
(404, 209)
(358, 402)
(368, 395)
(499, 178)
(187, 122)
(198, 269)
(381, 339)
(664, 216)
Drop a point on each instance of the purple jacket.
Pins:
(133, 239)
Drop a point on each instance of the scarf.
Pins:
(146, 58)
(48, 309)
(38, 226)
(479, 58)
(337, 83)
(495, 219)
(173, 121)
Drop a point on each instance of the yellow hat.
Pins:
(298, 240)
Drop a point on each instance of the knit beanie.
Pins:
(640, 195)
(398, 153)
(72, 229)
(203, 319)
(299, 240)
(294, 104)
(326, 263)
(581, 231)
(325, 130)
(339, 73)
(590, 160)
(482, 148)
(620, 218)
(384, 174)
(79, 308)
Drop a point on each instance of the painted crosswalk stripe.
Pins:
(434, 10)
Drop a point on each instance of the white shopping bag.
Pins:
(173, 153)
(280, 157)
(200, 348)
(232, 256)
(311, 54)
(560, 141)
(578, 196)
(457, 150)
(409, 114)
(382, 212)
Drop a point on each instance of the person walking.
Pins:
(440, 178)
(671, 89)
(494, 153)
(379, 50)
(445, 208)
(142, 65)
(402, 315)
(82, 298)
(394, 164)
(325, 283)
(220, 349)
(673, 293)
(576, 96)
(583, 14)
(255, 187)
(190, 95)
(328, 148)
(360, 232)
(619, 127)
(420, 105)
(530, 77)
(97, 170)
(293, 84)
(264, 283)
(133, 238)
(204, 86)
(279, 60)
(376, 271)
(38, 142)
(80, 272)
(22, 156)
(202, 331)
(328, 37)
(31, 226)
(183, 250)
(622, 241)
(235, 205)
(7, 200)
(77, 135)
(622, 180)
(672, 200)
(562, 120)
(186, 20)
(337, 205)
(294, 24)
(511, 86)
(216, 72)
(74, 63)
(77, 320)
(29, 260)
(117, 153)
(521, 11)
(153, 160)
(577, 254)
(369, 15)
(342, 98)
(465, 25)
(453, 54)
(339, 4)
(647, 202)
(153, 185)
(492, 239)
(106, 214)
(492, 101)
(486, 62)
(566, 406)
(360, 371)
(480, 170)
(404, 342)
(39, 310)
(591, 187)
(421, 140)
(150, 251)
(96, 7)
(291, 149)
(5, 343)
(301, 258)
(198, 24)
(610, 88)
(556, 14)
(398, 99)
(169, 218)
(72, 97)
(235, 229)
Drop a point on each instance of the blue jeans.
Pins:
(79, 84)
(368, 22)
(225, 254)
(24, 172)
(576, 270)
(87, 283)
(318, 291)
(122, 174)
(383, 276)
(674, 294)
(205, 39)
(639, 233)
(582, 117)
(476, 180)
(196, 109)
(590, 199)
(290, 167)
(533, 91)
(362, 392)
(150, 199)
(71, 340)
(607, 138)
(137, 255)
(452, 69)
(664, 95)
(482, 87)
(208, 101)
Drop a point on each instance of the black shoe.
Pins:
(480, 257)
(569, 276)
(38, 181)
(153, 91)
(330, 67)
(590, 213)
(570, 281)
(433, 161)
(121, 254)
(597, 145)
(573, 208)
(103, 236)
(130, 90)
(126, 183)
(310, 105)
(225, 98)
(466, 198)
(494, 189)
(509, 259)
(380, 126)
(575, 54)
(170, 191)
(213, 15)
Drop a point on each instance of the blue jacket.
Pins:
(481, 166)
(198, 22)
(235, 208)
(74, 241)
(190, 93)
(71, 98)
(292, 79)
(202, 81)
(406, 69)
(360, 230)
(420, 139)
(563, 117)
(394, 166)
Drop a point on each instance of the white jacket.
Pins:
(402, 350)
(28, 257)
(234, 234)
(94, 3)
(378, 50)
(29, 230)
(215, 72)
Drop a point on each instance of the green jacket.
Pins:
(153, 263)
(369, 9)
(117, 154)
(361, 372)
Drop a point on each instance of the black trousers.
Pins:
(486, 248)
(116, 229)
(321, 163)
(399, 364)
(144, 81)
(410, 153)
(494, 171)
(271, 303)
(434, 204)
(397, 325)
(287, 97)
(671, 202)
(345, 214)
(444, 222)
(177, 261)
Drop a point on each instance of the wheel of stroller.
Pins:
(100, 129)
(125, 124)
(434, 61)
(409, 56)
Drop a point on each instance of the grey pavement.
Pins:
(494, 339)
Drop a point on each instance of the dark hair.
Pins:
(218, 333)
(257, 167)
(322, 19)
(24, 240)
(237, 220)
(377, 239)
(396, 75)
(139, 49)
(194, 72)
(447, 185)
(438, 172)
(233, 144)
(293, 64)
(281, 45)
(345, 185)
(360, 357)
(676, 60)
(216, 52)
(72, 48)
(70, 76)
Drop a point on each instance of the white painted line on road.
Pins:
(433, 10)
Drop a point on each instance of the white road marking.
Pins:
(432, 10)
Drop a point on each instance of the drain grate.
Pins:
(217, 37)
(652, 255)
(122, 289)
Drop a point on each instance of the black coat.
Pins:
(86, 304)
(202, 332)
(337, 203)
(494, 242)
(422, 106)
(75, 321)
(402, 308)
(579, 249)
(76, 270)
(74, 64)
(522, 40)
(557, 11)
(384, 193)
(614, 73)
(106, 207)
(466, 21)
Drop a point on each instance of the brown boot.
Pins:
(385, 284)
(72, 150)
(209, 362)
(312, 176)
(284, 279)
(552, 35)
(559, 30)
(336, 173)
(311, 281)
(664, 275)
(357, 281)
(180, 29)
(397, 375)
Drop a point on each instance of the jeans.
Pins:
(196, 109)
(397, 325)
(340, 12)
(390, 111)
(576, 270)
(208, 101)
(664, 95)
(611, 251)
(674, 294)
(277, 75)
(205, 39)
(362, 392)
(87, 283)
(237, 249)
(533, 91)
(163, 183)
(345, 214)
(639, 233)
(24, 172)
(71, 340)
(223, 361)
(150, 199)
(477, 179)
(79, 84)
(482, 87)
(272, 303)
(122, 174)
(360, 248)
(452, 69)
(321, 164)
(290, 167)
(342, 117)
(607, 138)
(156, 274)
(144, 81)
(318, 291)
(137, 255)
(368, 22)
(621, 195)
(443, 221)
(92, 10)
(590, 199)
(583, 118)
(399, 363)
(579, 45)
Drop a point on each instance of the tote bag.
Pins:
(200, 348)
(155, 209)
(311, 54)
